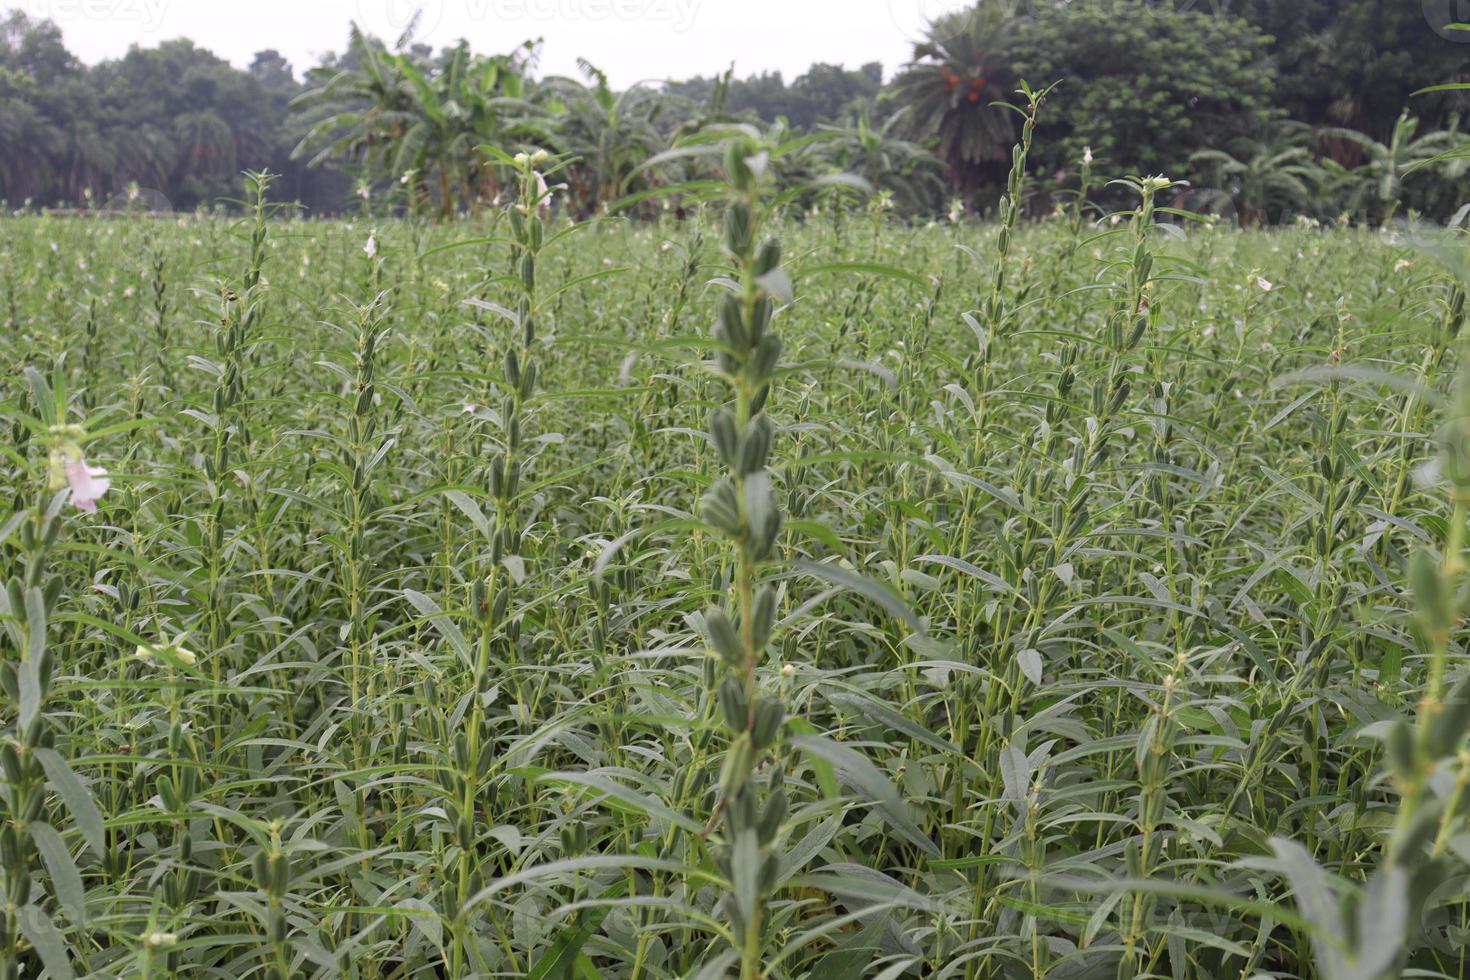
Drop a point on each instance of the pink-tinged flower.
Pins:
(88, 484)
(542, 193)
(371, 248)
(1265, 284)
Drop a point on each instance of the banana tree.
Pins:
(1375, 188)
(886, 161)
(612, 134)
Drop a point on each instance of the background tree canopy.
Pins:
(1150, 87)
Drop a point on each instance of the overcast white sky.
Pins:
(630, 39)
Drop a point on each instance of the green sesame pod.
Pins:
(768, 257)
(528, 272)
(281, 883)
(770, 874)
(512, 367)
(737, 228)
(769, 714)
(737, 169)
(764, 619)
(772, 816)
(730, 328)
(1431, 592)
(723, 637)
(731, 695)
(1409, 843)
(758, 403)
(763, 359)
(1400, 748)
(755, 445)
(741, 812)
(1448, 728)
(724, 435)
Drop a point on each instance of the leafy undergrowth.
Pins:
(1092, 606)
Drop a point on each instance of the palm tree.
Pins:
(886, 161)
(1264, 178)
(397, 117)
(1375, 188)
(611, 134)
(951, 86)
(29, 142)
(358, 113)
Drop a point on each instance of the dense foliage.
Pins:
(1150, 87)
(719, 597)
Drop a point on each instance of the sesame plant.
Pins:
(725, 591)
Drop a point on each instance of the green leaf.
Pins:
(878, 592)
(865, 268)
(446, 627)
(631, 799)
(77, 797)
(1315, 903)
(859, 772)
(66, 881)
(898, 721)
(37, 927)
(424, 918)
(29, 673)
(563, 958)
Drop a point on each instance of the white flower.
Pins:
(364, 192)
(371, 248)
(88, 483)
(522, 159)
(543, 195)
(1402, 264)
(161, 940)
(168, 652)
(1265, 284)
(1086, 155)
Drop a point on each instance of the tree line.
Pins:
(1271, 108)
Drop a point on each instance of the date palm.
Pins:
(952, 85)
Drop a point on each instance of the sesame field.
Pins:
(1072, 597)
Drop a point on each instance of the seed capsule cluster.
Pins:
(742, 506)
